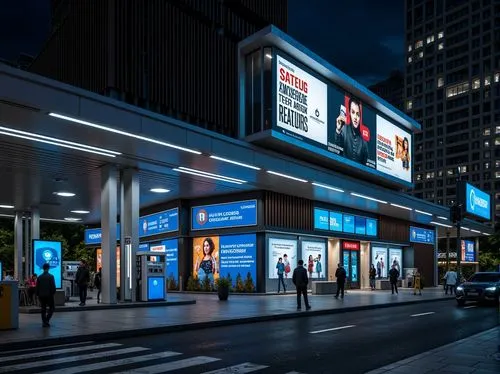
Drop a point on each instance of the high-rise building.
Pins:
(175, 57)
(452, 87)
(391, 89)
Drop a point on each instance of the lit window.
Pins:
(421, 54)
(440, 35)
(487, 165)
(409, 105)
(497, 164)
(410, 59)
(419, 177)
(487, 80)
(450, 171)
(486, 143)
(476, 83)
(497, 77)
(497, 174)
(419, 44)
(497, 130)
(441, 46)
(440, 173)
(430, 39)
(486, 132)
(463, 169)
(409, 48)
(429, 175)
(440, 82)
(457, 89)
(497, 141)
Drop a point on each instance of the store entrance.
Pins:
(351, 265)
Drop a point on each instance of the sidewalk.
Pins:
(69, 327)
(475, 354)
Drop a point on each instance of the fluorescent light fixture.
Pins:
(198, 174)
(235, 162)
(159, 190)
(440, 224)
(212, 174)
(3, 206)
(59, 142)
(443, 218)
(80, 211)
(72, 219)
(286, 176)
(485, 233)
(465, 228)
(116, 131)
(64, 194)
(368, 198)
(327, 187)
(476, 231)
(401, 206)
(269, 56)
(422, 212)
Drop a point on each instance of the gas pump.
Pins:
(151, 281)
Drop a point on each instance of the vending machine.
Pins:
(151, 279)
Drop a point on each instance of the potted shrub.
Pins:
(223, 285)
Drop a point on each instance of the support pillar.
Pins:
(436, 265)
(27, 246)
(35, 233)
(109, 191)
(447, 250)
(129, 223)
(476, 254)
(18, 246)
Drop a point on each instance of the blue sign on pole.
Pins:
(48, 252)
(238, 254)
(159, 223)
(419, 235)
(218, 216)
(477, 202)
(468, 253)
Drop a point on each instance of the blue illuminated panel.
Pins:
(477, 202)
(336, 221)
(240, 213)
(360, 225)
(48, 252)
(321, 219)
(342, 222)
(371, 227)
(348, 223)
(419, 235)
(156, 288)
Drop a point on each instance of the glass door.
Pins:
(351, 266)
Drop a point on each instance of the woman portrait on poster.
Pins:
(207, 267)
(405, 154)
(310, 266)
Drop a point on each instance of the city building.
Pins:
(452, 87)
(391, 89)
(174, 57)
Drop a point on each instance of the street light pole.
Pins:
(458, 212)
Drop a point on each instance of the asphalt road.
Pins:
(349, 343)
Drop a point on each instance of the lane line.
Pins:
(332, 329)
(114, 363)
(170, 366)
(246, 367)
(42, 348)
(30, 356)
(65, 360)
(470, 306)
(422, 314)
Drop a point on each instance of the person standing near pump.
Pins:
(341, 276)
(82, 279)
(300, 280)
(393, 277)
(98, 284)
(280, 266)
(45, 290)
(450, 281)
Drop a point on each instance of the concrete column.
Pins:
(129, 221)
(476, 255)
(27, 245)
(35, 232)
(18, 246)
(109, 191)
(436, 250)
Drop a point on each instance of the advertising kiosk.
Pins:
(151, 280)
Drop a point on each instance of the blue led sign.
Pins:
(321, 219)
(48, 252)
(477, 202)
(347, 223)
(221, 216)
(419, 235)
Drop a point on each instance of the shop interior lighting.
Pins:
(422, 212)
(269, 56)
(200, 173)
(476, 231)
(64, 194)
(124, 133)
(235, 162)
(440, 224)
(4, 206)
(58, 142)
(443, 218)
(368, 198)
(286, 176)
(159, 190)
(41, 219)
(327, 187)
(401, 206)
(80, 211)
(485, 233)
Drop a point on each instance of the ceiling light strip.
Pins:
(440, 224)
(422, 212)
(286, 176)
(368, 198)
(443, 218)
(206, 176)
(211, 174)
(327, 187)
(400, 206)
(235, 162)
(476, 231)
(116, 131)
(465, 228)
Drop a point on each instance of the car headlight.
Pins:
(460, 288)
(491, 289)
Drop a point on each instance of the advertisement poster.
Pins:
(321, 219)
(336, 221)
(238, 255)
(346, 255)
(99, 263)
(396, 258)
(468, 254)
(206, 257)
(477, 202)
(287, 250)
(313, 255)
(302, 103)
(172, 258)
(393, 150)
(240, 213)
(379, 260)
(159, 223)
(48, 252)
(354, 266)
(419, 235)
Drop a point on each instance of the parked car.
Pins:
(481, 287)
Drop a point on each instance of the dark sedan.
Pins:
(481, 287)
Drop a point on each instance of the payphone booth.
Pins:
(151, 280)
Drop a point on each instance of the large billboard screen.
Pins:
(48, 252)
(477, 202)
(223, 216)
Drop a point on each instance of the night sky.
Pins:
(363, 38)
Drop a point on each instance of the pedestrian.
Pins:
(82, 279)
(280, 266)
(417, 282)
(450, 281)
(372, 275)
(45, 291)
(393, 277)
(341, 276)
(300, 280)
(9, 276)
(98, 283)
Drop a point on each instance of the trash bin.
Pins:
(9, 305)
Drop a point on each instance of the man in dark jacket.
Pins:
(300, 281)
(45, 290)
(82, 279)
(393, 277)
(341, 276)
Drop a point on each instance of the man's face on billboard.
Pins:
(355, 114)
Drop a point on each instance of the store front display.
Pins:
(350, 258)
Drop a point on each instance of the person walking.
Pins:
(82, 279)
(98, 284)
(45, 291)
(341, 276)
(280, 266)
(372, 275)
(393, 277)
(450, 278)
(300, 280)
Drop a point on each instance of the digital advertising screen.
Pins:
(172, 258)
(286, 249)
(371, 227)
(99, 263)
(206, 257)
(342, 222)
(348, 223)
(218, 216)
(336, 222)
(419, 235)
(379, 260)
(321, 219)
(477, 202)
(468, 254)
(1, 271)
(159, 223)
(48, 252)
(238, 255)
(156, 288)
(360, 225)
(346, 256)
(313, 255)
(396, 259)
(354, 266)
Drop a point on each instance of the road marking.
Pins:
(64, 360)
(332, 329)
(293, 372)
(246, 367)
(114, 363)
(32, 355)
(422, 314)
(170, 366)
(42, 348)
(470, 306)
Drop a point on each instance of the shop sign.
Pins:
(219, 216)
(351, 246)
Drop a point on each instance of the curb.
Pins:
(115, 335)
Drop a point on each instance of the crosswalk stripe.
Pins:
(170, 366)
(32, 355)
(4, 353)
(64, 360)
(246, 367)
(113, 363)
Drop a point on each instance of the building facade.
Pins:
(391, 89)
(174, 57)
(452, 87)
